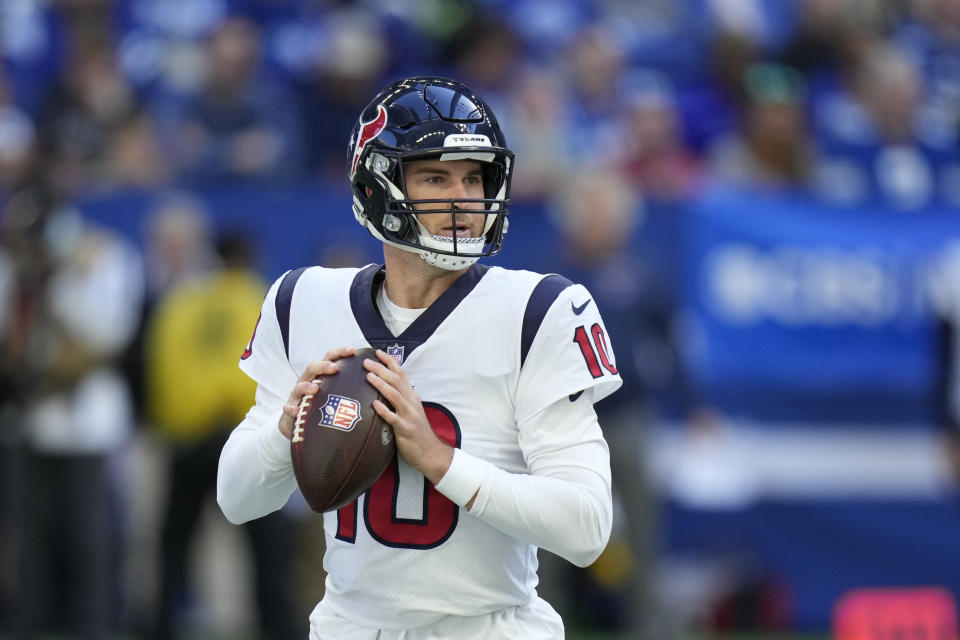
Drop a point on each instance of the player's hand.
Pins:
(307, 384)
(417, 444)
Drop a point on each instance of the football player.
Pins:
(492, 375)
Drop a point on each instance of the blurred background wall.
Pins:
(763, 195)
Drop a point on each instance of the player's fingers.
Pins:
(396, 391)
(303, 388)
(328, 365)
(317, 369)
(391, 377)
(391, 363)
(339, 352)
(291, 409)
(308, 388)
(384, 412)
(387, 390)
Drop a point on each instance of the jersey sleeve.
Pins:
(569, 352)
(564, 504)
(255, 476)
(265, 358)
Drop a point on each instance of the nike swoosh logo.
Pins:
(579, 310)
(574, 396)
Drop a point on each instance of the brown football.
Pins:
(340, 445)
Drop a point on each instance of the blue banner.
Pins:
(789, 296)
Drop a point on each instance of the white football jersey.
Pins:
(494, 351)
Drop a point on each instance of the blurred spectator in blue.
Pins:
(881, 143)
(598, 214)
(548, 26)
(484, 54)
(931, 36)
(713, 102)
(179, 243)
(17, 139)
(770, 150)
(765, 24)
(597, 101)
(74, 296)
(160, 42)
(95, 134)
(80, 116)
(349, 65)
(663, 34)
(657, 159)
(32, 43)
(134, 158)
(563, 116)
(195, 393)
(534, 122)
(830, 38)
(735, 36)
(239, 124)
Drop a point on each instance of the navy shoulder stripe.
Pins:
(540, 300)
(284, 298)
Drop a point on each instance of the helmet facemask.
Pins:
(382, 172)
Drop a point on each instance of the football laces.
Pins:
(301, 418)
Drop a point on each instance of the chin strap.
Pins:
(450, 263)
(469, 250)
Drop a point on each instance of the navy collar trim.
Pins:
(363, 293)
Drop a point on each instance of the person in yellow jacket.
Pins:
(194, 387)
(194, 395)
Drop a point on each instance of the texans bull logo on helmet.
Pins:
(340, 412)
(368, 131)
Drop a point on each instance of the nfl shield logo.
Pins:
(340, 412)
(396, 352)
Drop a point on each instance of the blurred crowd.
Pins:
(856, 101)
(609, 105)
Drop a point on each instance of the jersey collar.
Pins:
(363, 293)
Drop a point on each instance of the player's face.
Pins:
(448, 180)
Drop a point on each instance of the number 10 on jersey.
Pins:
(593, 345)
(380, 516)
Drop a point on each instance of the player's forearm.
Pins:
(567, 512)
(255, 476)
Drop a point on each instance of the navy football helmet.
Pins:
(424, 118)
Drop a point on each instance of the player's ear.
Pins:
(369, 191)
